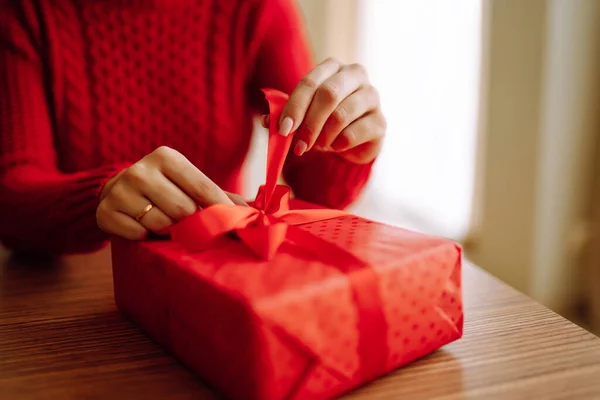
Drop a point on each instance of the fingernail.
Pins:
(300, 147)
(285, 127)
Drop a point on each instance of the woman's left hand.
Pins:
(335, 108)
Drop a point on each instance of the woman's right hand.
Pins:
(152, 194)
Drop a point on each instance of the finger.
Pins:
(362, 154)
(154, 220)
(236, 199)
(117, 223)
(190, 179)
(369, 128)
(295, 108)
(169, 198)
(127, 227)
(111, 182)
(353, 107)
(327, 97)
(133, 200)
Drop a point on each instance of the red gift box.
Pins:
(301, 303)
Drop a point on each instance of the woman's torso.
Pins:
(128, 76)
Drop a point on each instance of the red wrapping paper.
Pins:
(303, 305)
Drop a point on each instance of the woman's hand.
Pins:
(335, 108)
(152, 194)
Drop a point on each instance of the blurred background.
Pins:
(493, 111)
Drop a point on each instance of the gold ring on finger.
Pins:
(145, 211)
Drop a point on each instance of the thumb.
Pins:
(237, 199)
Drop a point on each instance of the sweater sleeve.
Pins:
(282, 58)
(42, 210)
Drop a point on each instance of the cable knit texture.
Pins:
(88, 87)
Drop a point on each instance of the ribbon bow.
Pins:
(265, 225)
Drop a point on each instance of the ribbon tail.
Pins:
(327, 252)
(364, 281)
(278, 147)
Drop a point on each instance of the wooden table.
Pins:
(61, 337)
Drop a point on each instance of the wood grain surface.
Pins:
(61, 337)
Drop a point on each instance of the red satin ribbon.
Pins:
(265, 225)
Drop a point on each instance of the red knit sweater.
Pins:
(88, 87)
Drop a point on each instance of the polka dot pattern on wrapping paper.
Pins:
(323, 321)
(371, 241)
(319, 383)
(414, 273)
(413, 296)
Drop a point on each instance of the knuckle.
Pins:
(359, 68)
(169, 159)
(200, 191)
(340, 115)
(117, 195)
(183, 209)
(136, 173)
(173, 163)
(350, 138)
(332, 60)
(373, 94)
(309, 81)
(292, 107)
(328, 92)
(163, 153)
(163, 150)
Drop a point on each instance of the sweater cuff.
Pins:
(327, 179)
(82, 197)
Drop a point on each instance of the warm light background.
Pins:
(493, 109)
